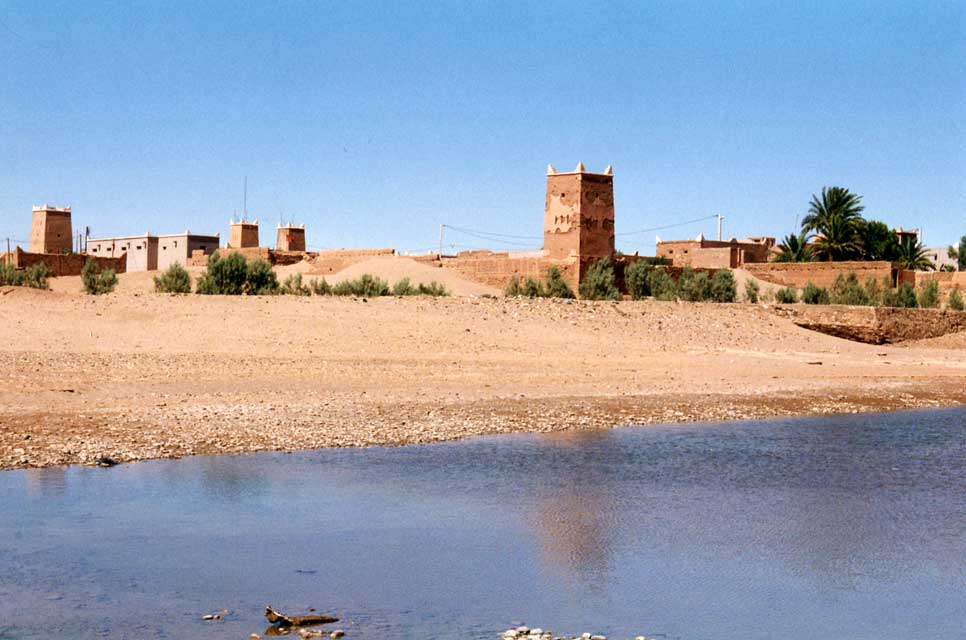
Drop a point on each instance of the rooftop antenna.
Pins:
(245, 201)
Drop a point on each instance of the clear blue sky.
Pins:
(373, 123)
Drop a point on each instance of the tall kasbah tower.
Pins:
(290, 238)
(578, 217)
(242, 234)
(51, 231)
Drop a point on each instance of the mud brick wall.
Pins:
(822, 274)
(335, 260)
(66, 264)
(497, 269)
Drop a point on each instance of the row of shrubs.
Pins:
(847, 290)
(35, 276)
(234, 275)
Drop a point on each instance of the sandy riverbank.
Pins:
(146, 376)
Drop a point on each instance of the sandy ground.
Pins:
(133, 376)
(389, 268)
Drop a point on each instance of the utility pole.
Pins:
(8, 256)
(440, 242)
(720, 220)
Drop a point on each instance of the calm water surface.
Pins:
(848, 527)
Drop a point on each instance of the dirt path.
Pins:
(145, 376)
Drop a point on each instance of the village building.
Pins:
(242, 234)
(290, 238)
(149, 252)
(715, 254)
(51, 230)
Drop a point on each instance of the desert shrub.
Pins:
(902, 296)
(175, 279)
(786, 295)
(694, 286)
(365, 286)
(261, 279)
(533, 289)
(955, 301)
(224, 276)
(36, 276)
(751, 291)
(662, 285)
(404, 288)
(293, 286)
(599, 282)
(557, 287)
(433, 289)
(635, 279)
(929, 295)
(723, 287)
(513, 288)
(10, 277)
(847, 290)
(96, 281)
(320, 287)
(874, 290)
(813, 294)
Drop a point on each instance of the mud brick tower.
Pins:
(242, 234)
(578, 219)
(290, 238)
(51, 231)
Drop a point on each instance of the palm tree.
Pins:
(835, 202)
(912, 255)
(837, 238)
(959, 254)
(794, 248)
(837, 222)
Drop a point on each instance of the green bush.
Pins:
(36, 276)
(786, 295)
(955, 301)
(261, 279)
(557, 287)
(694, 286)
(635, 279)
(434, 289)
(903, 296)
(533, 289)
(404, 288)
(929, 295)
(751, 291)
(513, 288)
(293, 286)
(599, 282)
(365, 286)
(662, 285)
(813, 294)
(847, 290)
(175, 279)
(320, 287)
(10, 277)
(723, 286)
(224, 276)
(874, 291)
(96, 281)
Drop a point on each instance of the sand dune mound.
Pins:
(395, 268)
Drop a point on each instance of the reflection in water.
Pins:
(50, 482)
(844, 527)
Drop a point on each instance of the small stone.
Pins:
(208, 617)
(523, 630)
(338, 633)
(536, 632)
(598, 637)
(254, 636)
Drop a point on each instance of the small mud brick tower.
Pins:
(290, 238)
(578, 217)
(50, 230)
(242, 234)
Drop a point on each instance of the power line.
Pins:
(492, 233)
(667, 226)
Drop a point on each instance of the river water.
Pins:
(842, 527)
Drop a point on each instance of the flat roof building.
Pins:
(148, 252)
(50, 230)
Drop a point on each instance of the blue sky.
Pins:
(373, 123)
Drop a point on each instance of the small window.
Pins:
(164, 248)
(138, 247)
(203, 247)
(176, 243)
(94, 249)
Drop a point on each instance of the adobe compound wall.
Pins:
(822, 274)
(335, 260)
(66, 264)
(496, 269)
